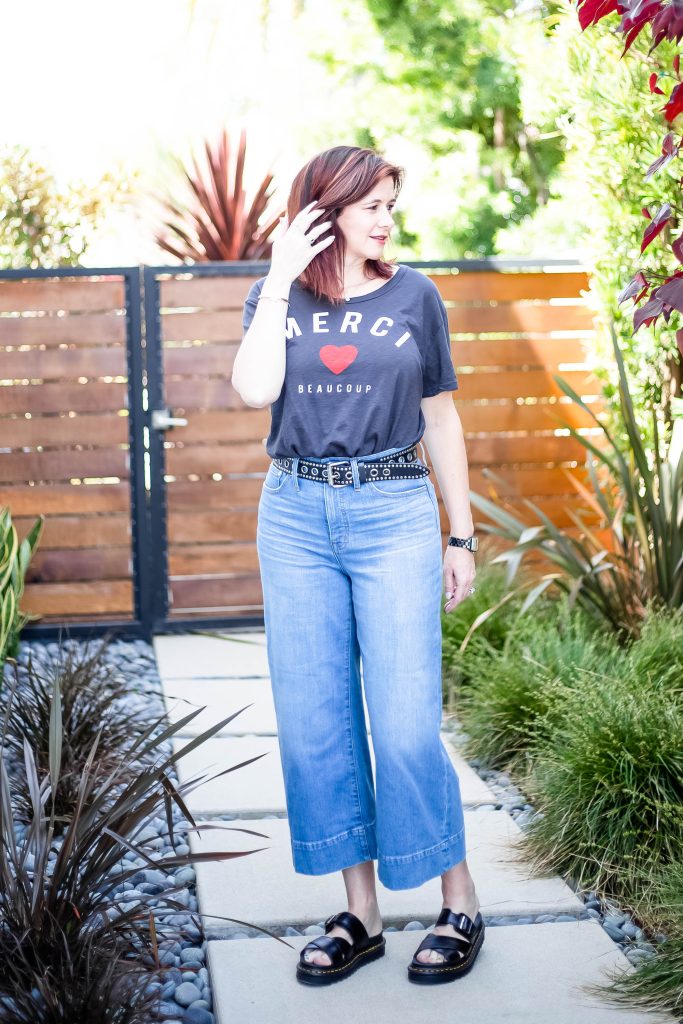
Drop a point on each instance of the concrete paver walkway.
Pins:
(527, 973)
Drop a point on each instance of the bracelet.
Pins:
(278, 298)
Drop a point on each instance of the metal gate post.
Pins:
(158, 549)
(140, 517)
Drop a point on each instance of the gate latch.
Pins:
(163, 420)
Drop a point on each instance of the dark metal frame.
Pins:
(145, 369)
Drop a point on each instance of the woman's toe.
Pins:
(313, 957)
(429, 956)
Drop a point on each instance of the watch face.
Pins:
(474, 543)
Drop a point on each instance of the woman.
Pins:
(352, 353)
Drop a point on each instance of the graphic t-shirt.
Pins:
(356, 373)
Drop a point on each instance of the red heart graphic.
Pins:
(337, 358)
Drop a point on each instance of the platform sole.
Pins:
(437, 974)
(328, 975)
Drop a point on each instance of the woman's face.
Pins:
(367, 224)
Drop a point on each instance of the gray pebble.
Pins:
(185, 875)
(167, 1010)
(187, 993)
(154, 877)
(197, 1015)
(613, 932)
(192, 955)
(414, 926)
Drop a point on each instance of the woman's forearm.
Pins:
(258, 370)
(446, 446)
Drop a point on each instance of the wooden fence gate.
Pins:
(118, 423)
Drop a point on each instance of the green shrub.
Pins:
(44, 223)
(458, 662)
(657, 655)
(608, 779)
(515, 694)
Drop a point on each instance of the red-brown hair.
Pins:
(336, 178)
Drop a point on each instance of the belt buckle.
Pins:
(326, 473)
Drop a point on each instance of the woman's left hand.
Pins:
(458, 575)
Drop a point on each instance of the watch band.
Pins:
(471, 543)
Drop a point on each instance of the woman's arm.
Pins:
(445, 443)
(258, 370)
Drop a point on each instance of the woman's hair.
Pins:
(336, 178)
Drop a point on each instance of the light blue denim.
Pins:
(353, 575)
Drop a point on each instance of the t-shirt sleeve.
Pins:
(438, 370)
(250, 303)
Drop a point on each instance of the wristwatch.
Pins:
(471, 543)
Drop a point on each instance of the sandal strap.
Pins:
(461, 922)
(353, 925)
(448, 945)
(337, 948)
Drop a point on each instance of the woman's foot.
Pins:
(467, 903)
(372, 920)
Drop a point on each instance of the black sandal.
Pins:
(459, 954)
(345, 956)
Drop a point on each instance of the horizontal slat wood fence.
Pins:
(510, 332)
(64, 447)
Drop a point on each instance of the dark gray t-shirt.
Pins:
(355, 374)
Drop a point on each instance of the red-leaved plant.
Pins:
(216, 223)
(665, 20)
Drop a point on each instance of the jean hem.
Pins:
(414, 869)
(343, 851)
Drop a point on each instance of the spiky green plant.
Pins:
(61, 919)
(640, 498)
(93, 700)
(14, 561)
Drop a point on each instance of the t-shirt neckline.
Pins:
(383, 288)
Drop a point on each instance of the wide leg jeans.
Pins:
(352, 576)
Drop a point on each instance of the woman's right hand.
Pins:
(292, 250)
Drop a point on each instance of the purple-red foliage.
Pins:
(666, 22)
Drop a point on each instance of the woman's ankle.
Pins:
(365, 908)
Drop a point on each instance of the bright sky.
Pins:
(93, 87)
(102, 86)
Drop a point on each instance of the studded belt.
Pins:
(337, 473)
